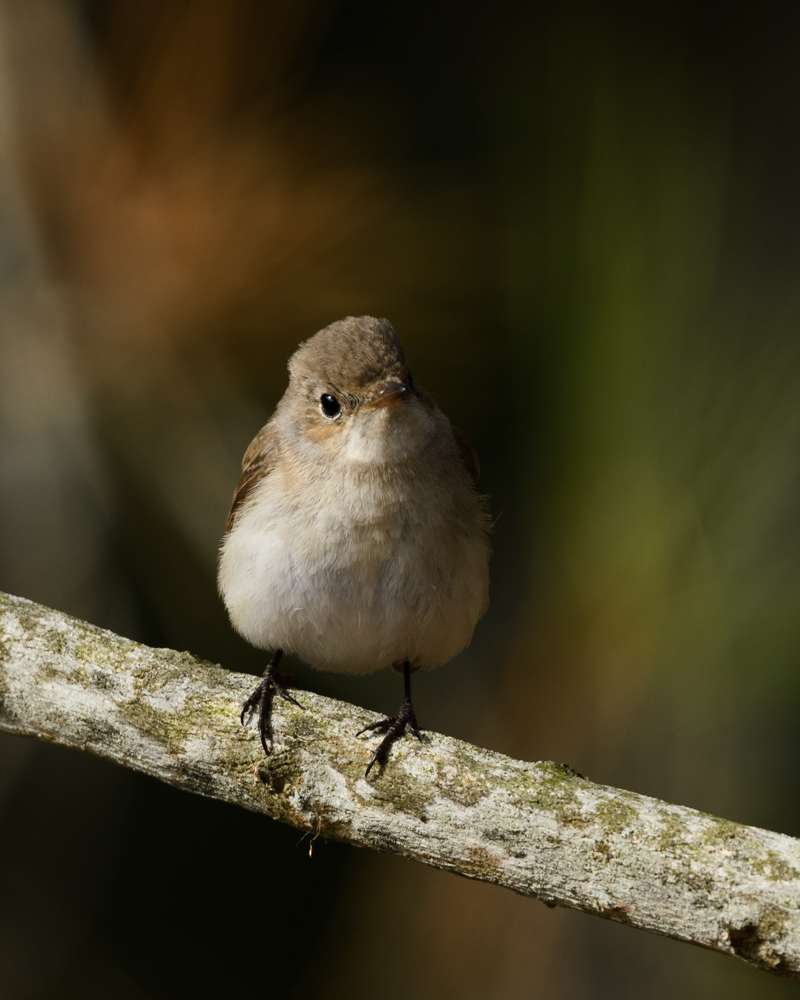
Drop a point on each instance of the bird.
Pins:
(358, 537)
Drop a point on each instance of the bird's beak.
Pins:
(389, 392)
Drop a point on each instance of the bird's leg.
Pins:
(272, 683)
(404, 722)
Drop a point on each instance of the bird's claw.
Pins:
(404, 722)
(272, 683)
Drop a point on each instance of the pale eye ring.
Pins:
(329, 405)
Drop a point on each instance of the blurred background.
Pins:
(582, 218)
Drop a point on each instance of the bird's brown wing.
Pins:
(468, 455)
(259, 460)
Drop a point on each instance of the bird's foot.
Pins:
(404, 722)
(272, 683)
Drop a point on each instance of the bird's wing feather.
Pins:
(259, 460)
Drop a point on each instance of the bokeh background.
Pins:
(582, 217)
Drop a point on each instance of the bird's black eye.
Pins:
(330, 404)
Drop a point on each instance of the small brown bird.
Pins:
(357, 538)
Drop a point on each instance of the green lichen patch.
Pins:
(402, 794)
(170, 729)
(671, 835)
(718, 832)
(774, 921)
(775, 868)
(702, 884)
(554, 789)
(614, 815)
(463, 780)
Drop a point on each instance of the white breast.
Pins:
(357, 570)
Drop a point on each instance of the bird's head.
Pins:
(351, 393)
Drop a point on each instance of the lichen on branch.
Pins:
(539, 829)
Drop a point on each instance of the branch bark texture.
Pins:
(537, 828)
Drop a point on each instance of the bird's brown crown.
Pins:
(353, 354)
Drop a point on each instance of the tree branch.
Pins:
(539, 829)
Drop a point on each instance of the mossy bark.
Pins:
(537, 828)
